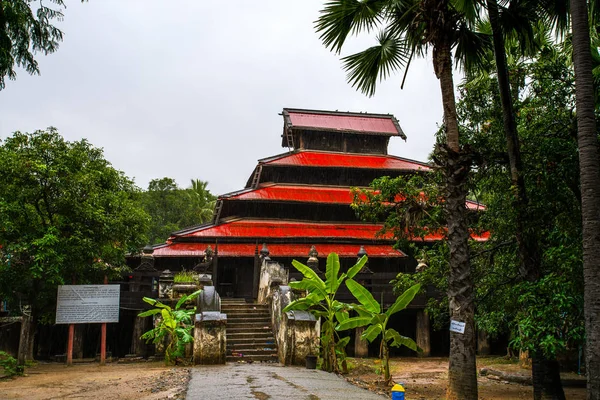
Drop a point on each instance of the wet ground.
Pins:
(271, 381)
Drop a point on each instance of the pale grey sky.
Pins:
(192, 89)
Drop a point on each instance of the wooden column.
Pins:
(70, 345)
(256, 274)
(103, 336)
(483, 343)
(361, 347)
(423, 333)
(138, 346)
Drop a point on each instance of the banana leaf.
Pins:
(363, 296)
(403, 300)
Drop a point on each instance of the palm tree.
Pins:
(589, 167)
(411, 27)
(203, 202)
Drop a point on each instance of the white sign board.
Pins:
(456, 326)
(83, 304)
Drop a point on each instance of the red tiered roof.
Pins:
(276, 250)
(345, 160)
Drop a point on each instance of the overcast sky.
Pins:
(193, 89)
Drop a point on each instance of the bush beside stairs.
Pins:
(249, 332)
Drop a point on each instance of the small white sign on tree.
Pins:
(457, 326)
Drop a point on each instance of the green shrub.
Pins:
(9, 364)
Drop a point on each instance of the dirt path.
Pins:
(427, 378)
(147, 381)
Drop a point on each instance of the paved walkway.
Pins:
(271, 381)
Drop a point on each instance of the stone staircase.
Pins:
(249, 333)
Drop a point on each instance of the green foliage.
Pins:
(185, 277)
(172, 208)
(321, 302)
(9, 364)
(66, 215)
(172, 324)
(370, 313)
(24, 31)
(410, 208)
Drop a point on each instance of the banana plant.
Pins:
(320, 302)
(371, 313)
(175, 325)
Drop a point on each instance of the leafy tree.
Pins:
(172, 208)
(66, 215)
(411, 27)
(371, 313)
(321, 302)
(547, 134)
(173, 325)
(25, 29)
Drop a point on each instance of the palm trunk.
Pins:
(462, 372)
(589, 166)
(530, 263)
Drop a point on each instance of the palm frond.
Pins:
(472, 49)
(341, 18)
(518, 20)
(376, 63)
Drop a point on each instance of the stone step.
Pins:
(248, 324)
(253, 330)
(255, 346)
(233, 336)
(263, 351)
(240, 310)
(264, 358)
(243, 313)
(249, 318)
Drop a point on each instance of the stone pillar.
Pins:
(483, 343)
(165, 285)
(210, 342)
(304, 335)
(361, 346)
(423, 333)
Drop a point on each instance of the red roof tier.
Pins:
(279, 229)
(346, 122)
(276, 250)
(308, 194)
(345, 160)
(250, 228)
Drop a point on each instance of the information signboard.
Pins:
(83, 304)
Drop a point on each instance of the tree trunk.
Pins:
(589, 167)
(530, 263)
(462, 372)
(545, 375)
(25, 351)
